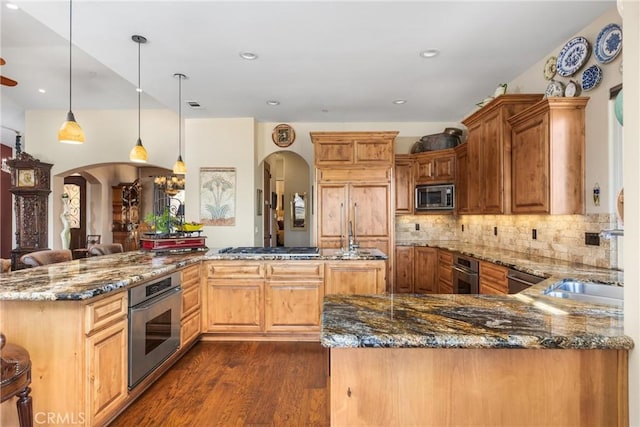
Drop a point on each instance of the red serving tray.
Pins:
(170, 243)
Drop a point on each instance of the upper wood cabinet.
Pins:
(433, 167)
(462, 179)
(548, 157)
(353, 148)
(488, 172)
(404, 183)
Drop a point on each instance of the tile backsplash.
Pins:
(557, 236)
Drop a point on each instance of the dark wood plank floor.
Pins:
(238, 384)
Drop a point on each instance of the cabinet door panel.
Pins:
(293, 306)
(530, 160)
(235, 306)
(354, 277)
(404, 186)
(333, 211)
(425, 270)
(474, 168)
(370, 210)
(462, 179)
(492, 167)
(404, 269)
(444, 167)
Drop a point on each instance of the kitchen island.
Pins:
(475, 360)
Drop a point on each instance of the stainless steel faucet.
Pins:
(353, 245)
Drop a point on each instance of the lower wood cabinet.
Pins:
(279, 298)
(416, 269)
(445, 272)
(493, 279)
(190, 319)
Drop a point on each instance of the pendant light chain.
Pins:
(139, 89)
(180, 116)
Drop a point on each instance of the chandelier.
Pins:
(170, 184)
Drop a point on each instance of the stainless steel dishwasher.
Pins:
(519, 281)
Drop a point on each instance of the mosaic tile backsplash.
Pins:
(557, 236)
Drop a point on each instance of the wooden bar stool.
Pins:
(15, 370)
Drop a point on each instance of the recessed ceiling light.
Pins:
(12, 6)
(273, 102)
(42, 90)
(249, 56)
(400, 101)
(429, 53)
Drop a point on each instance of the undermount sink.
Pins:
(595, 293)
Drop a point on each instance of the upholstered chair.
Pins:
(105, 249)
(49, 256)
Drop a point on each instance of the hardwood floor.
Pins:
(238, 384)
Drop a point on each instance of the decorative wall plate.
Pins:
(608, 43)
(550, 68)
(283, 135)
(573, 56)
(591, 77)
(554, 88)
(572, 89)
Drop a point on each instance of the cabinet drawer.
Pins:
(189, 329)
(190, 276)
(101, 313)
(494, 276)
(355, 175)
(235, 270)
(190, 299)
(295, 270)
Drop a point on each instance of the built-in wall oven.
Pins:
(465, 275)
(154, 325)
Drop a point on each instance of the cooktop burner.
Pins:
(278, 250)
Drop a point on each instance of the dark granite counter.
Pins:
(532, 264)
(362, 254)
(89, 277)
(469, 321)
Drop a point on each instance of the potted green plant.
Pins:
(162, 223)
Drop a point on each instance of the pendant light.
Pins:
(138, 153)
(179, 168)
(70, 132)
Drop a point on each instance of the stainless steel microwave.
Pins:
(435, 197)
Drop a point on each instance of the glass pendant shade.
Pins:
(179, 168)
(138, 153)
(70, 132)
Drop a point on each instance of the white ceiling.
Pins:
(324, 61)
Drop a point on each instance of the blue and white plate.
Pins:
(591, 77)
(608, 44)
(573, 56)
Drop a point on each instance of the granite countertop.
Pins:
(469, 321)
(363, 254)
(532, 264)
(89, 277)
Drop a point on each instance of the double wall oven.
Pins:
(465, 275)
(154, 325)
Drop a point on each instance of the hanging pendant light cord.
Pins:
(180, 116)
(139, 90)
(70, 48)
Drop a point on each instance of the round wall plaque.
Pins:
(283, 135)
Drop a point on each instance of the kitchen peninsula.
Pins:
(72, 317)
(523, 359)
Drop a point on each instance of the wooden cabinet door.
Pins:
(445, 272)
(334, 152)
(444, 167)
(235, 306)
(493, 278)
(474, 168)
(425, 268)
(530, 166)
(332, 213)
(373, 150)
(405, 188)
(293, 306)
(403, 282)
(106, 361)
(492, 164)
(462, 179)
(370, 210)
(355, 277)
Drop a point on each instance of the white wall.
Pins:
(631, 129)
(222, 143)
(597, 110)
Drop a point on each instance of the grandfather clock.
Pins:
(30, 185)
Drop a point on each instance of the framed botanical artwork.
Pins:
(218, 196)
(283, 135)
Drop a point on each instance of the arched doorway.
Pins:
(289, 183)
